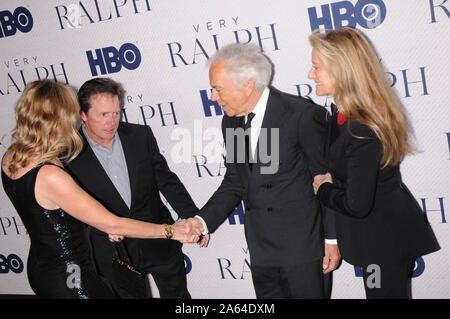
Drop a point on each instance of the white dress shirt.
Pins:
(259, 111)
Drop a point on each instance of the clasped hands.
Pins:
(184, 230)
(190, 231)
(332, 253)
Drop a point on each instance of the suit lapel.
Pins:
(334, 128)
(129, 151)
(273, 118)
(243, 168)
(331, 131)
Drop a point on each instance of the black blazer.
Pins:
(149, 175)
(283, 219)
(378, 219)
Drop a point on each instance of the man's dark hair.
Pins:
(96, 86)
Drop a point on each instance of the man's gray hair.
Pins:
(245, 61)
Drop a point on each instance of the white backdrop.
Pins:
(157, 49)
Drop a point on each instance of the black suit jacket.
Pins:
(378, 220)
(283, 219)
(149, 175)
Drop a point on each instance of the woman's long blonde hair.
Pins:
(46, 114)
(361, 89)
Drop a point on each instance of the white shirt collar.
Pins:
(260, 107)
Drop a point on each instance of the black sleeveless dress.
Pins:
(59, 264)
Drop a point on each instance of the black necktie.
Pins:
(248, 149)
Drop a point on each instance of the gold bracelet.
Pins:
(168, 231)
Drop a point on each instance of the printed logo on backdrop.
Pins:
(209, 105)
(206, 165)
(211, 35)
(367, 14)
(434, 210)
(437, 10)
(111, 59)
(11, 225)
(187, 264)
(410, 82)
(81, 13)
(17, 71)
(235, 267)
(19, 20)
(237, 217)
(10, 263)
(140, 110)
(448, 140)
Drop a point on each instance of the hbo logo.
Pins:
(20, 19)
(187, 264)
(111, 60)
(12, 262)
(368, 14)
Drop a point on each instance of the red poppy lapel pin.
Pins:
(340, 118)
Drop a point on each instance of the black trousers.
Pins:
(170, 277)
(388, 281)
(304, 281)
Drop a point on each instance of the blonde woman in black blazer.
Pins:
(379, 224)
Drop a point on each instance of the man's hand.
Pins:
(331, 258)
(204, 240)
(320, 179)
(197, 224)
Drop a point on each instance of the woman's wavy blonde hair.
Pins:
(361, 89)
(46, 114)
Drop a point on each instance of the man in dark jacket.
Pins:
(122, 168)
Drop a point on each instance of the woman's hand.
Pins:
(320, 179)
(184, 232)
(115, 238)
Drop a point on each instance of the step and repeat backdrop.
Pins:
(158, 50)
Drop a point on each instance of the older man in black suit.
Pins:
(270, 168)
